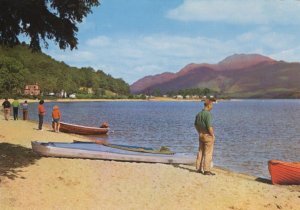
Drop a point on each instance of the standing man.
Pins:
(42, 113)
(15, 104)
(6, 106)
(203, 124)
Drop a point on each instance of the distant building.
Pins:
(72, 95)
(63, 94)
(179, 97)
(88, 90)
(32, 90)
(195, 97)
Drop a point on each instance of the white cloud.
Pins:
(132, 58)
(267, 39)
(76, 56)
(99, 41)
(238, 11)
(291, 55)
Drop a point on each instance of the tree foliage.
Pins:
(12, 75)
(19, 66)
(193, 91)
(42, 20)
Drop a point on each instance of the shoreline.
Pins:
(104, 100)
(28, 181)
(159, 99)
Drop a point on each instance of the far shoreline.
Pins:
(156, 99)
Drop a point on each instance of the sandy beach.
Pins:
(28, 181)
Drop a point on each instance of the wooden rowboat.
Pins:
(96, 151)
(284, 172)
(83, 130)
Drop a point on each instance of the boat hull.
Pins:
(88, 151)
(82, 130)
(285, 173)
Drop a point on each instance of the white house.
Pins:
(179, 97)
(72, 95)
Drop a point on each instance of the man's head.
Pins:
(208, 104)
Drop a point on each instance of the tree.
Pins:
(19, 67)
(12, 74)
(42, 20)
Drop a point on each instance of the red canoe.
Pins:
(284, 172)
(83, 130)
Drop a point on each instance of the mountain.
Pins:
(141, 85)
(239, 75)
(242, 61)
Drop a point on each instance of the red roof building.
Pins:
(32, 90)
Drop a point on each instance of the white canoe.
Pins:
(96, 151)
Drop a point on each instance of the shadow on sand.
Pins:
(226, 171)
(263, 180)
(12, 158)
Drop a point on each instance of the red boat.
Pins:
(83, 130)
(284, 172)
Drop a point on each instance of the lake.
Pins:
(248, 132)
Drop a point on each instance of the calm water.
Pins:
(248, 132)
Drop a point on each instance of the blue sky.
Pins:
(135, 38)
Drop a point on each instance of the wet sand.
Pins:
(32, 182)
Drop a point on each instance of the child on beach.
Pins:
(56, 118)
(25, 110)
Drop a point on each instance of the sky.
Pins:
(135, 38)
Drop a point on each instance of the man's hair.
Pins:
(41, 101)
(207, 102)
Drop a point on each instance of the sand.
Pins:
(32, 182)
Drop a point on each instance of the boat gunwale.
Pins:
(82, 126)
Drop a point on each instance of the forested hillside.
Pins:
(19, 66)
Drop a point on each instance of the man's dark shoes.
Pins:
(209, 173)
(199, 171)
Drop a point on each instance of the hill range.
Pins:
(238, 76)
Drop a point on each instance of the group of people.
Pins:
(203, 125)
(56, 115)
(15, 105)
